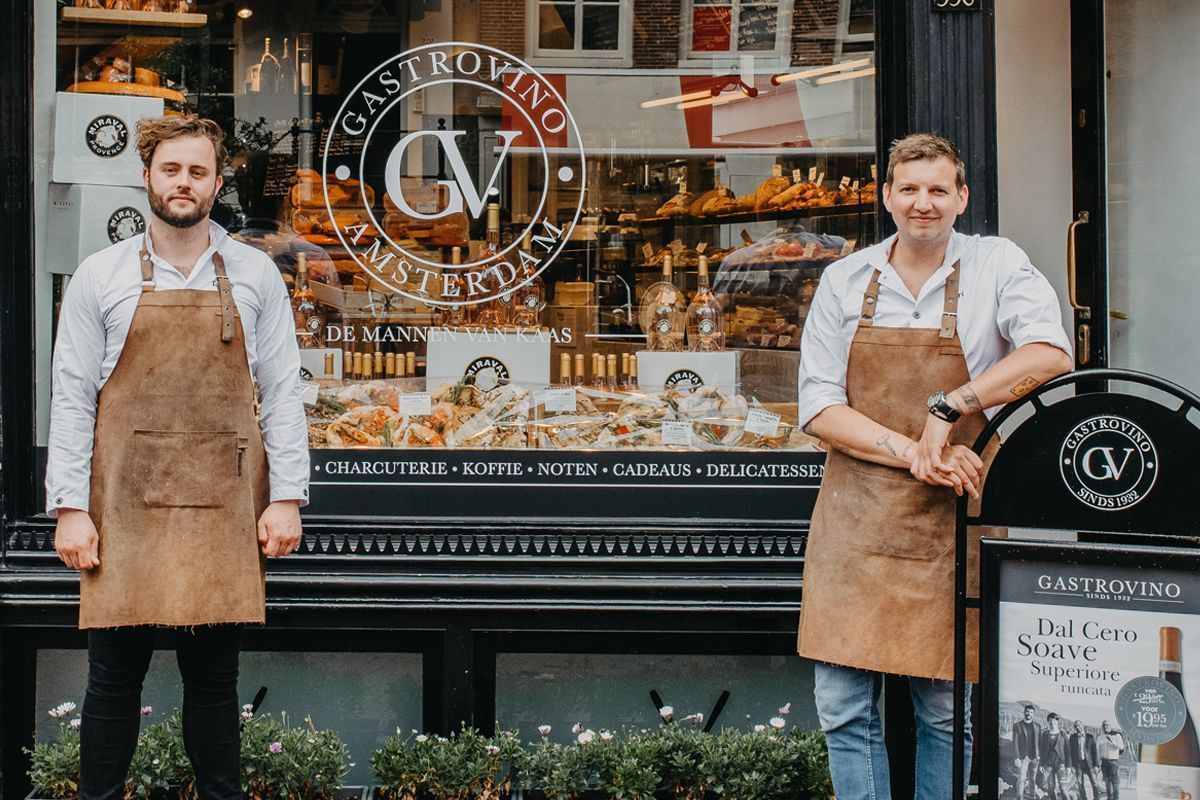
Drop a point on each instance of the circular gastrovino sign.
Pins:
(1108, 463)
(442, 178)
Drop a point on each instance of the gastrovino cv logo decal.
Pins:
(488, 372)
(1108, 463)
(126, 221)
(373, 128)
(683, 379)
(107, 136)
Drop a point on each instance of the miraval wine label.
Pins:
(107, 136)
(125, 222)
(683, 379)
(371, 128)
(488, 371)
(1108, 463)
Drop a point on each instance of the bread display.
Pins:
(318, 221)
(309, 192)
(677, 206)
(768, 189)
(696, 207)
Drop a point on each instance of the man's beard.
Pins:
(162, 209)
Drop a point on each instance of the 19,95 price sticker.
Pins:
(1150, 710)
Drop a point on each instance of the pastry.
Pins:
(768, 189)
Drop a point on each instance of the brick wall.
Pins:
(502, 25)
(656, 31)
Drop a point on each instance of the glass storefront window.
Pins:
(528, 225)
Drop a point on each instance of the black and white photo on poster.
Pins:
(1094, 683)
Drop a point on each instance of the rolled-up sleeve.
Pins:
(75, 388)
(281, 411)
(824, 352)
(1027, 306)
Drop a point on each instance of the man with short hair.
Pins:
(905, 345)
(169, 490)
(1055, 750)
(1110, 744)
(1025, 735)
(1084, 760)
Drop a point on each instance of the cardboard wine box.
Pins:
(95, 137)
(658, 371)
(85, 219)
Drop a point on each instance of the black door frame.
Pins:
(1089, 196)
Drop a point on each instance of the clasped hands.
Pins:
(939, 463)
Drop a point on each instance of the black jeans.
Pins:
(117, 662)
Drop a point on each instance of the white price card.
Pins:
(560, 398)
(844, 182)
(812, 173)
(797, 175)
(677, 432)
(701, 247)
(683, 187)
(309, 392)
(810, 249)
(873, 175)
(820, 178)
(647, 251)
(848, 246)
(746, 237)
(777, 170)
(762, 422)
(854, 186)
(415, 404)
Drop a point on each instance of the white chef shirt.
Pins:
(97, 309)
(1003, 303)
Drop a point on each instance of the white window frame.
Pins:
(783, 38)
(544, 56)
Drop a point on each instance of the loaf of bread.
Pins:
(677, 206)
(768, 189)
(720, 205)
(309, 193)
(317, 220)
(696, 207)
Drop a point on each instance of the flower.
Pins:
(778, 723)
(248, 708)
(147, 710)
(154, 762)
(63, 709)
(606, 735)
(785, 710)
(544, 730)
(492, 750)
(586, 737)
(275, 747)
(75, 723)
(695, 719)
(760, 728)
(667, 713)
(577, 727)
(442, 740)
(421, 739)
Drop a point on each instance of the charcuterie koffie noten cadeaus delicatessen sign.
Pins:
(542, 134)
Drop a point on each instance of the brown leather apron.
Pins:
(879, 564)
(179, 474)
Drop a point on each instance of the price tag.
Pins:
(761, 422)
(810, 249)
(848, 246)
(683, 187)
(647, 251)
(677, 432)
(797, 176)
(777, 170)
(560, 399)
(677, 247)
(873, 175)
(746, 237)
(700, 248)
(309, 392)
(854, 186)
(844, 182)
(820, 178)
(812, 173)
(415, 404)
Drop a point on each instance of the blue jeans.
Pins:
(848, 707)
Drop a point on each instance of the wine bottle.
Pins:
(530, 297)
(667, 322)
(705, 317)
(494, 311)
(268, 69)
(456, 316)
(1171, 770)
(310, 324)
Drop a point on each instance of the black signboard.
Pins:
(1118, 463)
(765, 485)
(956, 5)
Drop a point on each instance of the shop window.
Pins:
(539, 343)
(562, 31)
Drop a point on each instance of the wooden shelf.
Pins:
(105, 16)
(763, 216)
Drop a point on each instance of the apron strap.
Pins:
(870, 302)
(950, 304)
(225, 288)
(147, 268)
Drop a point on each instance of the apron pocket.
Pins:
(898, 516)
(186, 469)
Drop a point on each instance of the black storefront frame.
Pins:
(517, 581)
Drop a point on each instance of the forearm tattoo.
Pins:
(885, 441)
(969, 398)
(1024, 386)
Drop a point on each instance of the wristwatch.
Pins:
(940, 408)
